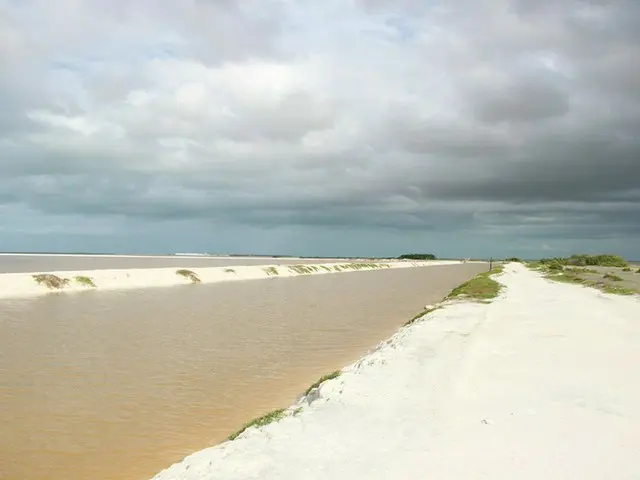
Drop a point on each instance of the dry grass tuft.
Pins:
(188, 274)
(51, 281)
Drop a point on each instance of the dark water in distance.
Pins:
(119, 385)
(48, 263)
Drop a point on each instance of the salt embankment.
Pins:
(540, 383)
(14, 285)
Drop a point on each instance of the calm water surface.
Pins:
(106, 385)
(48, 263)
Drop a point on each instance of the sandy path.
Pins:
(543, 383)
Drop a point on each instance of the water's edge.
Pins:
(314, 392)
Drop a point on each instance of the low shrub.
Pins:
(270, 271)
(85, 281)
(554, 260)
(611, 276)
(417, 256)
(50, 280)
(188, 274)
(603, 260)
(365, 266)
(579, 270)
(585, 260)
(301, 269)
(555, 266)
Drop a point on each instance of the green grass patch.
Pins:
(638, 271)
(51, 281)
(271, 271)
(617, 290)
(577, 270)
(85, 281)
(321, 380)
(565, 278)
(612, 277)
(626, 269)
(426, 311)
(259, 422)
(188, 274)
(603, 287)
(480, 287)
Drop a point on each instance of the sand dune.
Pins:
(14, 285)
(542, 383)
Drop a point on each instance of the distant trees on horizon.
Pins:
(417, 256)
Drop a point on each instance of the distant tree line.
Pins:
(417, 256)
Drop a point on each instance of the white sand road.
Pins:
(544, 383)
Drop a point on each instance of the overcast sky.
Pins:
(333, 127)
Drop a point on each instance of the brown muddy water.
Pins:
(119, 385)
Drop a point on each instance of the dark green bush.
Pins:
(604, 260)
(557, 260)
(417, 256)
(555, 266)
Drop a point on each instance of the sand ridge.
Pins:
(541, 383)
(16, 285)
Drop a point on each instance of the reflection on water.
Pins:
(106, 385)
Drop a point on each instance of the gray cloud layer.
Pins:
(515, 121)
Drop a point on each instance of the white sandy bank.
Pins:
(14, 285)
(540, 384)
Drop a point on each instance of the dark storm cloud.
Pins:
(505, 118)
(588, 169)
(525, 100)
